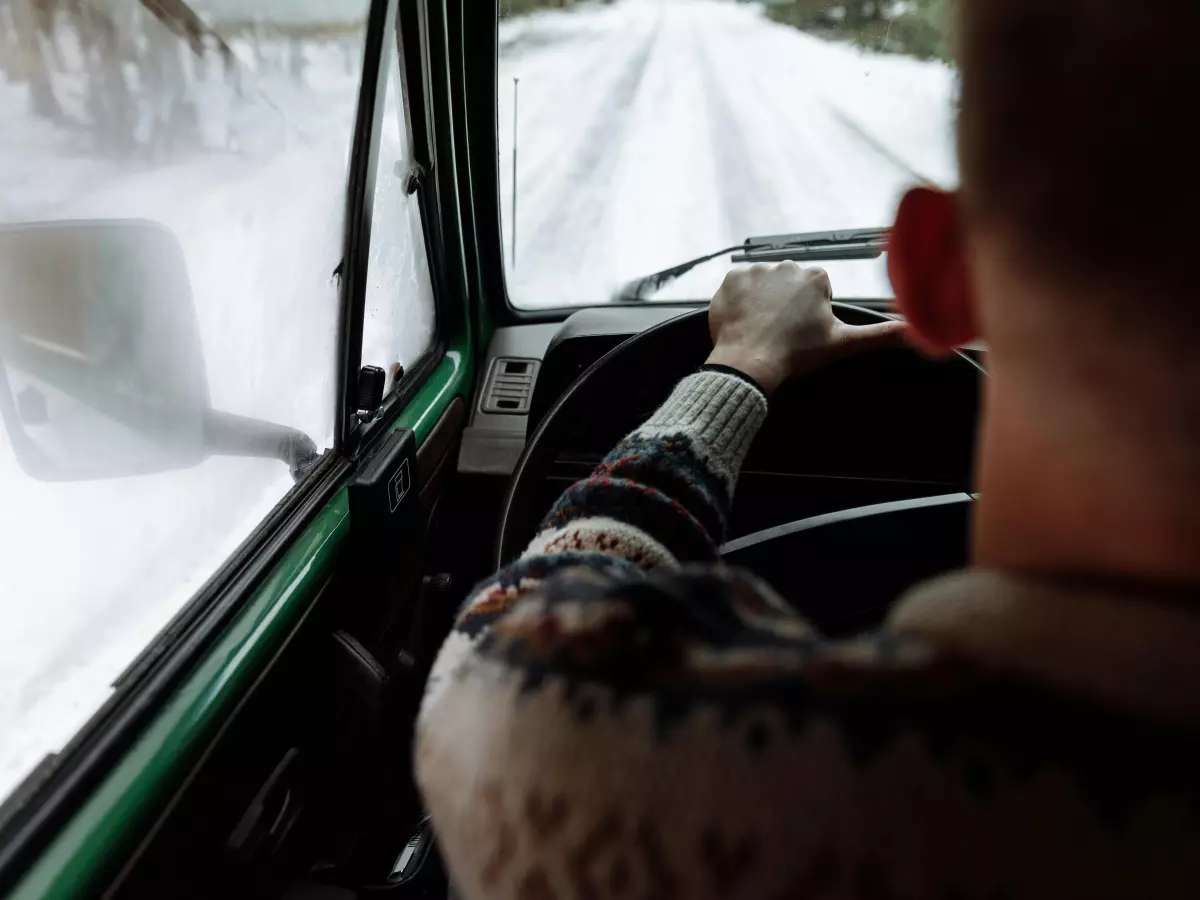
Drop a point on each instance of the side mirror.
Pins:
(101, 367)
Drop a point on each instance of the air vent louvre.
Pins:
(509, 386)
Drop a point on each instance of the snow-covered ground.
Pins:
(654, 131)
(651, 131)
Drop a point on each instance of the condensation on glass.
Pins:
(399, 314)
(224, 128)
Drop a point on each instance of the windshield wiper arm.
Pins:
(861, 243)
(814, 246)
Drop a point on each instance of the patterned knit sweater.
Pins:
(617, 716)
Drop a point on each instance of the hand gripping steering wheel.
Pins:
(887, 418)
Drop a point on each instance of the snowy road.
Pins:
(651, 132)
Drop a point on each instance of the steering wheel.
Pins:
(888, 418)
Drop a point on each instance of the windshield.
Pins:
(637, 134)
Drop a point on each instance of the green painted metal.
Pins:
(118, 812)
(454, 375)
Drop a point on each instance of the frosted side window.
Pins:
(399, 316)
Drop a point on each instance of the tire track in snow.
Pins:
(514, 47)
(822, 171)
(747, 194)
(571, 223)
(592, 57)
(880, 148)
(791, 145)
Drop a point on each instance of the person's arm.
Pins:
(663, 495)
(564, 665)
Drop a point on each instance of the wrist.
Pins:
(763, 371)
(736, 373)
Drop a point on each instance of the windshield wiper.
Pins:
(814, 246)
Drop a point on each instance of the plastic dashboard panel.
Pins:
(880, 428)
(877, 428)
(492, 443)
(885, 415)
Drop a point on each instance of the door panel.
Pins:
(436, 456)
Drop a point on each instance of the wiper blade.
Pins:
(814, 246)
(862, 243)
(648, 284)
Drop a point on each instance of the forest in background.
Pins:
(919, 28)
(511, 8)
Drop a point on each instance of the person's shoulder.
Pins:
(719, 638)
(693, 711)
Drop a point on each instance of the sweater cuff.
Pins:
(721, 413)
(736, 373)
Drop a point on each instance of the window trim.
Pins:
(440, 195)
(481, 77)
(415, 27)
(411, 68)
(360, 205)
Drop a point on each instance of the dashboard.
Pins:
(882, 427)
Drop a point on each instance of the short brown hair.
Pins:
(1078, 129)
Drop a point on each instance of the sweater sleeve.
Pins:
(607, 577)
(661, 497)
(663, 494)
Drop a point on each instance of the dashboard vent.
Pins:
(509, 386)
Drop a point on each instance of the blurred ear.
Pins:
(927, 265)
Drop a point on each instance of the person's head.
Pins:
(1068, 250)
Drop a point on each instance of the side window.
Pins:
(171, 217)
(398, 320)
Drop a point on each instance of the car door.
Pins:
(258, 742)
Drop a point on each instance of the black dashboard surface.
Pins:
(883, 426)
